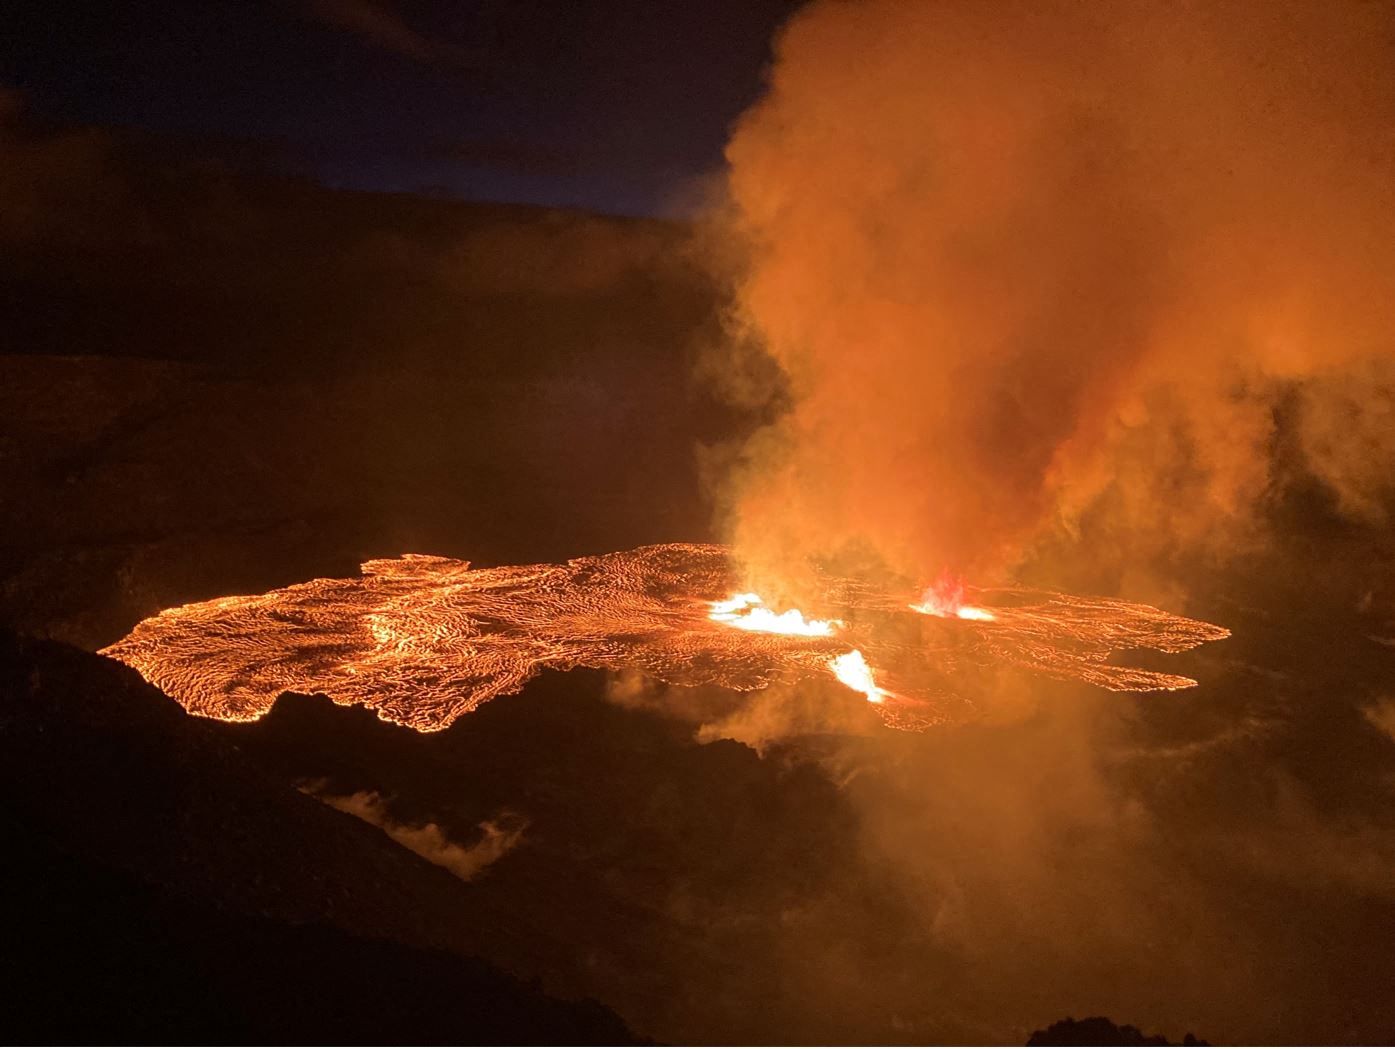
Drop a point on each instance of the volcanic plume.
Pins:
(424, 640)
(1017, 263)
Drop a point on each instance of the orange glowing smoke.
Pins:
(423, 640)
(1027, 268)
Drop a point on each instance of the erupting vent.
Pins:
(423, 640)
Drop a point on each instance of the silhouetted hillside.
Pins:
(91, 955)
(117, 245)
(649, 866)
(164, 888)
(1100, 1030)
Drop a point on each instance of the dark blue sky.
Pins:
(615, 105)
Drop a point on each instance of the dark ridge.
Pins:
(164, 887)
(649, 863)
(111, 247)
(1100, 1030)
(92, 956)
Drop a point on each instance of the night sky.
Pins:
(613, 105)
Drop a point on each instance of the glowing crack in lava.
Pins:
(423, 640)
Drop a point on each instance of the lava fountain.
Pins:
(423, 640)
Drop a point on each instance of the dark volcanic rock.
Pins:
(650, 864)
(163, 887)
(91, 955)
(1100, 1030)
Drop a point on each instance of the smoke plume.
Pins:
(1024, 262)
(1083, 292)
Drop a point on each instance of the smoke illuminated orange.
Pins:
(423, 640)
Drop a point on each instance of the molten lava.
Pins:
(852, 670)
(747, 612)
(946, 600)
(423, 640)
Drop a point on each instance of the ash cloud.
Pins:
(1028, 267)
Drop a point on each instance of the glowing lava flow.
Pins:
(946, 600)
(852, 670)
(423, 640)
(748, 612)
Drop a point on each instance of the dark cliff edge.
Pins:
(162, 888)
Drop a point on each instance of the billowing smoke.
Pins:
(1058, 285)
(1023, 262)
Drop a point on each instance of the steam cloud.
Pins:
(1024, 262)
(498, 836)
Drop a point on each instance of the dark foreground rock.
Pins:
(162, 888)
(1100, 1030)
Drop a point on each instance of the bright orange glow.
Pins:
(748, 612)
(852, 670)
(973, 612)
(947, 600)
